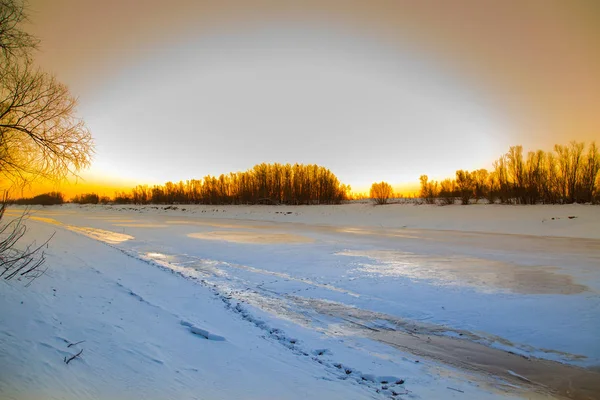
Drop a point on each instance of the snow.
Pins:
(135, 344)
(538, 220)
(295, 302)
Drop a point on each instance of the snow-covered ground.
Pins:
(350, 301)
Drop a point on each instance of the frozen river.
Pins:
(514, 309)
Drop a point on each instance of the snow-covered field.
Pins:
(278, 302)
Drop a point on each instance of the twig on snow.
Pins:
(73, 357)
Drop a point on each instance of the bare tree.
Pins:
(39, 133)
(448, 191)
(516, 169)
(480, 178)
(465, 185)
(381, 192)
(590, 173)
(501, 173)
(492, 188)
(15, 262)
(40, 136)
(429, 189)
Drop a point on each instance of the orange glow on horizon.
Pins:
(373, 91)
(107, 187)
(72, 187)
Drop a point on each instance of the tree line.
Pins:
(568, 174)
(45, 199)
(263, 184)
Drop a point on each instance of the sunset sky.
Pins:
(373, 90)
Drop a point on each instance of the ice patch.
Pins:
(251, 237)
(202, 332)
(101, 234)
(483, 275)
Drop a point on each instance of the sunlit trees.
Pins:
(381, 192)
(492, 188)
(39, 134)
(141, 194)
(568, 174)
(516, 172)
(86, 198)
(571, 158)
(262, 184)
(534, 174)
(465, 185)
(448, 191)
(590, 175)
(480, 180)
(429, 189)
(501, 176)
(122, 198)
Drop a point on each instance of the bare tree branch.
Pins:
(67, 361)
(76, 343)
(16, 262)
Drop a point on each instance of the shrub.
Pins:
(381, 192)
(87, 198)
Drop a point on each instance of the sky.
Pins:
(377, 90)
